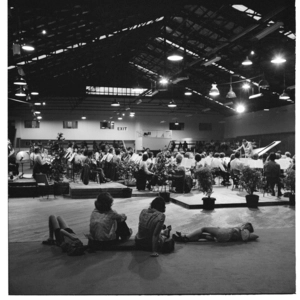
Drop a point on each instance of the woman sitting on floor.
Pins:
(219, 234)
(106, 225)
(150, 234)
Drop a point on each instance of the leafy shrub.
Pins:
(205, 179)
(250, 179)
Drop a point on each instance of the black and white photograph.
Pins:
(151, 148)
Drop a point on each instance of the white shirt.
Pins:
(216, 163)
(236, 164)
(208, 160)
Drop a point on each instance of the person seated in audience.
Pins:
(177, 176)
(144, 174)
(39, 165)
(219, 234)
(223, 160)
(198, 162)
(151, 222)
(217, 165)
(272, 174)
(107, 226)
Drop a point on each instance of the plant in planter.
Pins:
(126, 171)
(290, 182)
(57, 150)
(206, 180)
(251, 180)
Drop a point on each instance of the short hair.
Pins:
(111, 150)
(36, 150)
(222, 154)
(197, 157)
(159, 204)
(89, 153)
(150, 154)
(216, 155)
(237, 154)
(287, 154)
(232, 156)
(272, 156)
(179, 158)
(118, 151)
(104, 202)
(244, 140)
(145, 157)
(85, 153)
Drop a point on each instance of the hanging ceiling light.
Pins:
(284, 96)
(231, 94)
(214, 91)
(172, 104)
(34, 93)
(83, 117)
(188, 93)
(20, 93)
(247, 62)
(120, 118)
(20, 81)
(278, 60)
(264, 84)
(39, 117)
(115, 103)
(27, 47)
(175, 56)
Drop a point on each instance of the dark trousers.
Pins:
(271, 181)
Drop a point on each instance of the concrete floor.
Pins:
(266, 266)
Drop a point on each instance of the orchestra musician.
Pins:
(13, 167)
(247, 148)
(39, 165)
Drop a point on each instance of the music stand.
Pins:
(22, 157)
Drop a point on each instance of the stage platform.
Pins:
(92, 190)
(225, 197)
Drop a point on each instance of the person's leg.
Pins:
(200, 233)
(53, 225)
(279, 187)
(123, 231)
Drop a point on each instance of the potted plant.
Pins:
(251, 180)
(126, 171)
(290, 182)
(206, 180)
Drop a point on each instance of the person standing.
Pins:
(272, 173)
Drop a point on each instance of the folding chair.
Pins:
(43, 184)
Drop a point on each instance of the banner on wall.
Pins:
(156, 133)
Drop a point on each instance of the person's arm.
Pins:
(221, 166)
(155, 237)
(119, 217)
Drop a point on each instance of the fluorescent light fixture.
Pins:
(175, 56)
(120, 118)
(37, 103)
(172, 104)
(206, 109)
(83, 118)
(188, 93)
(178, 79)
(176, 123)
(131, 115)
(268, 30)
(127, 108)
(164, 80)
(266, 109)
(278, 60)
(27, 47)
(228, 103)
(240, 108)
(39, 117)
(37, 112)
(211, 61)
(214, 91)
(34, 93)
(247, 62)
(139, 101)
(256, 96)
(162, 121)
